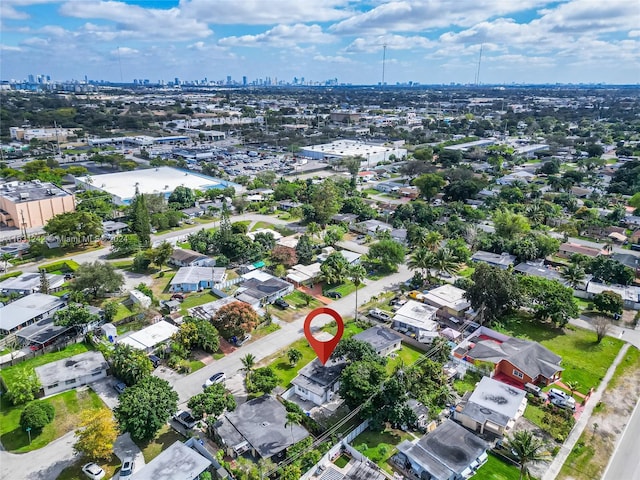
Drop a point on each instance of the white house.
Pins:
(416, 320)
(318, 383)
(72, 372)
(150, 337)
(139, 298)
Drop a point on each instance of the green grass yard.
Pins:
(466, 384)
(344, 289)
(407, 354)
(260, 225)
(195, 299)
(584, 361)
(496, 469)
(296, 299)
(379, 447)
(166, 437)
(68, 406)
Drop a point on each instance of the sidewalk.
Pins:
(572, 439)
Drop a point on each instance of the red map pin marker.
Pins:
(323, 349)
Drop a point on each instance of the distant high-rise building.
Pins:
(228, 79)
(176, 81)
(244, 80)
(32, 79)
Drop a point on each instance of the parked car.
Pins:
(185, 419)
(93, 471)
(333, 294)
(127, 467)
(219, 377)
(280, 302)
(155, 361)
(244, 339)
(177, 296)
(534, 390)
(379, 314)
(119, 387)
(561, 399)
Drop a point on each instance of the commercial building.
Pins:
(32, 204)
(42, 134)
(72, 372)
(28, 310)
(371, 154)
(162, 180)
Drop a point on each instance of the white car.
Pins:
(561, 399)
(219, 377)
(93, 471)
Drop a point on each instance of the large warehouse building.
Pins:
(371, 154)
(164, 180)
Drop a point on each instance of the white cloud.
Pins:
(135, 21)
(9, 9)
(332, 59)
(265, 12)
(9, 48)
(281, 36)
(417, 15)
(393, 42)
(121, 52)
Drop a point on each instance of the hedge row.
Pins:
(64, 265)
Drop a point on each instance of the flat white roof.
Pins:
(349, 148)
(417, 315)
(176, 462)
(27, 308)
(151, 336)
(448, 296)
(162, 180)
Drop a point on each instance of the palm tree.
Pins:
(356, 274)
(313, 229)
(445, 262)
(248, 364)
(423, 260)
(5, 258)
(431, 241)
(527, 448)
(293, 418)
(573, 274)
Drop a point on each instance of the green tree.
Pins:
(182, 197)
(44, 282)
(96, 202)
(6, 257)
(445, 262)
(140, 223)
(353, 350)
(293, 419)
(213, 401)
(422, 259)
(110, 309)
(235, 319)
(294, 355)
(75, 315)
(326, 201)
(527, 449)
(359, 381)
(357, 274)
(145, 408)
(509, 225)
(23, 387)
(494, 292)
(75, 227)
(574, 275)
(387, 254)
(304, 250)
(98, 278)
(548, 299)
(608, 302)
(36, 415)
(96, 434)
(352, 164)
(335, 268)
(429, 185)
(125, 245)
(248, 364)
(161, 254)
(263, 380)
(130, 364)
(431, 240)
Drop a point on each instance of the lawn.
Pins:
(9, 374)
(260, 225)
(160, 285)
(195, 299)
(584, 361)
(379, 446)
(133, 325)
(371, 191)
(496, 469)
(344, 289)
(68, 405)
(296, 299)
(195, 365)
(631, 361)
(166, 437)
(407, 354)
(466, 384)
(535, 414)
(466, 272)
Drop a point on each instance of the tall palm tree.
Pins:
(357, 274)
(421, 259)
(573, 274)
(5, 257)
(527, 448)
(445, 261)
(431, 241)
(248, 364)
(293, 418)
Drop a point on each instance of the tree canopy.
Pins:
(98, 278)
(75, 228)
(235, 319)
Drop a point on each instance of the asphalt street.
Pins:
(625, 461)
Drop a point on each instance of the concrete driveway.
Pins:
(104, 389)
(125, 448)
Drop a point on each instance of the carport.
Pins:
(42, 333)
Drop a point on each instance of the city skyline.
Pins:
(429, 42)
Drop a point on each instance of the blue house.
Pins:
(192, 279)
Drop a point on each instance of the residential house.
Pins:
(549, 273)
(182, 257)
(449, 301)
(521, 176)
(409, 192)
(186, 461)
(192, 279)
(112, 228)
(503, 260)
(150, 337)
(352, 258)
(627, 259)
(517, 359)
(193, 212)
(371, 227)
(450, 452)
(276, 235)
(388, 187)
(367, 176)
(72, 372)
(304, 274)
(208, 310)
(29, 282)
(631, 221)
(422, 415)
(287, 205)
(493, 407)
(630, 294)
(260, 288)
(260, 427)
(28, 310)
(139, 298)
(318, 383)
(416, 319)
(348, 218)
(383, 340)
(566, 250)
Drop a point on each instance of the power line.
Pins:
(384, 58)
(477, 79)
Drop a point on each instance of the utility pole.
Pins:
(384, 58)
(24, 226)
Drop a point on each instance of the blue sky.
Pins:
(427, 41)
